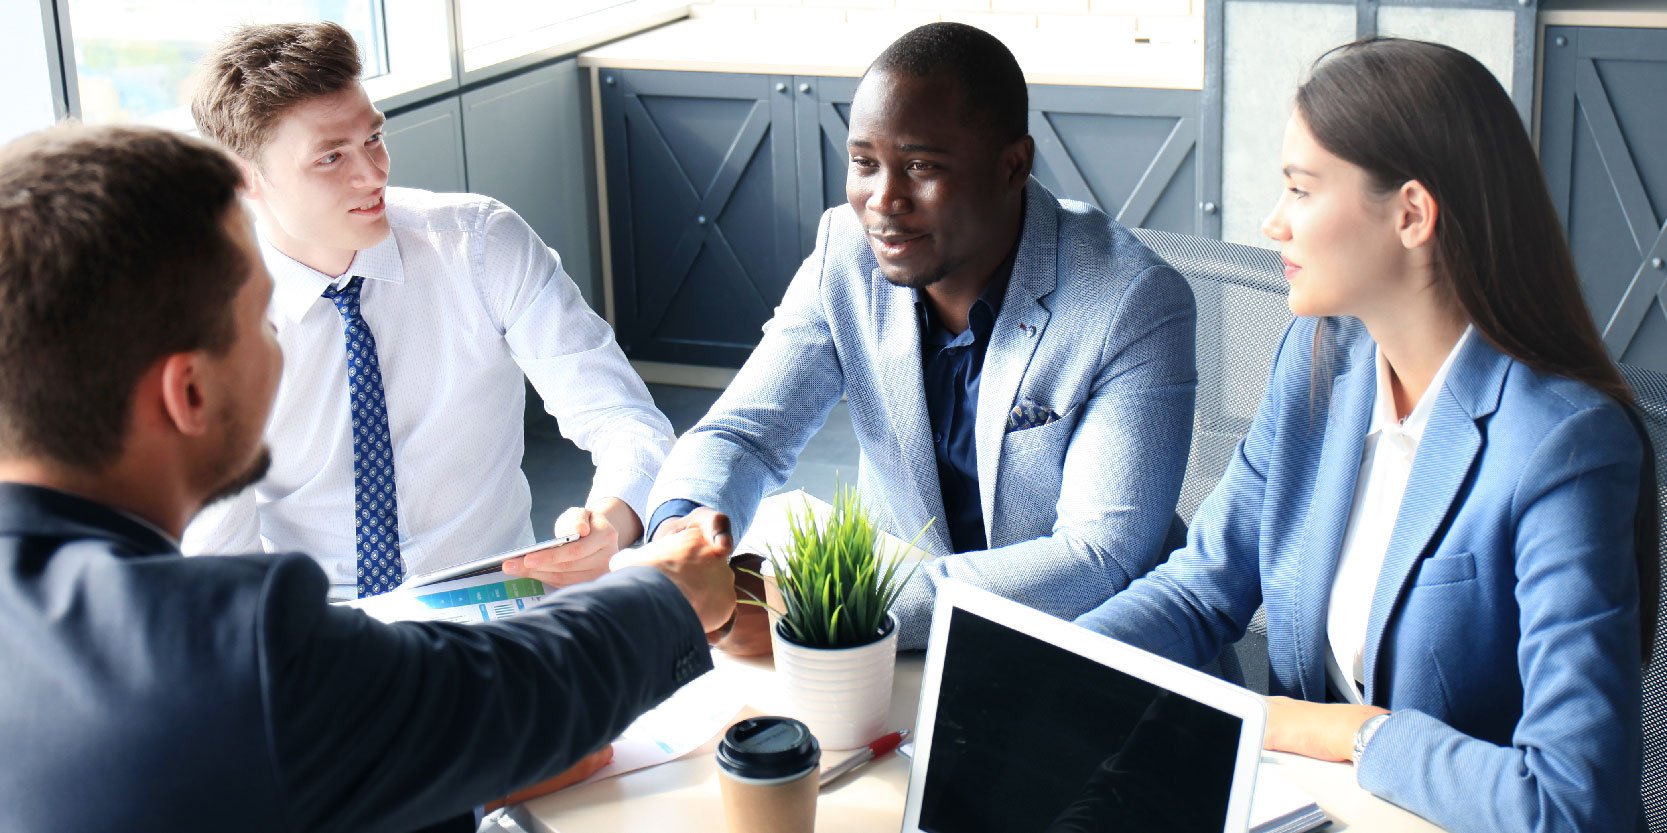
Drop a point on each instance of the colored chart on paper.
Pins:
(483, 598)
(498, 600)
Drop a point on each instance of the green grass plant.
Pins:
(836, 584)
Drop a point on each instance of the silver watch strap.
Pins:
(1363, 735)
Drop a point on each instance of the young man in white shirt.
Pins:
(439, 304)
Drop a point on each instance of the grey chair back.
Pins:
(1650, 390)
(1240, 293)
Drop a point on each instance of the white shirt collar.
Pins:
(297, 286)
(136, 518)
(1383, 409)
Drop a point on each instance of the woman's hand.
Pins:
(1315, 730)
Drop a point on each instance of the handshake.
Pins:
(693, 551)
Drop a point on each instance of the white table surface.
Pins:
(682, 796)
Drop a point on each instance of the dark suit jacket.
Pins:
(140, 690)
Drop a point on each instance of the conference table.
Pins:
(682, 796)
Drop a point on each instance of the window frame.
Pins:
(405, 23)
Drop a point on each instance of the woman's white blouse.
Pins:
(1385, 464)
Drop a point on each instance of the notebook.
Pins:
(1030, 723)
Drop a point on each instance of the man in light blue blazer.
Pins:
(1503, 635)
(1018, 367)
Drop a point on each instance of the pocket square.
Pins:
(1029, 414)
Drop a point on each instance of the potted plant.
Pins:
(836, 638)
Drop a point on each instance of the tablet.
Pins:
(1030, 724)
(482, 566)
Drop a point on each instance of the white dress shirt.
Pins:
(1385, 465)
(463, 299)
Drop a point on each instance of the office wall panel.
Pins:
(526, 144)
(1269, 47)
(425, 147)
(1487, 34)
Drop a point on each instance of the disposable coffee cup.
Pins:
(768, 776)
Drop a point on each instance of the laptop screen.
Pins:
(1029, 736)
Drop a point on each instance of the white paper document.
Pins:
(1279, 806)
(680, 725)
(482, 598)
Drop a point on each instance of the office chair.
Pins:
(1240, 294)
(1650, 389)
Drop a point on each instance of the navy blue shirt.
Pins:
(950, 367)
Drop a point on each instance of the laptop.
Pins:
(1030, 724)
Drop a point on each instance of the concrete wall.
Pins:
(1269, 47)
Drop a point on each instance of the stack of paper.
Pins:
(1280, 807)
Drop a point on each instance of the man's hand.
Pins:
(714, 525)
(696, 565)
(586, 767)
(1316, 730)
(602, 529)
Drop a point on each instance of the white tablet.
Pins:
(1030, 724)
(480, 567)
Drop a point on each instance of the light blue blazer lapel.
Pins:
(1348, 417)
(1446, 453)
(1011, 348)
(897, 361)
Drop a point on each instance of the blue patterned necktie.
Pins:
(375, 506)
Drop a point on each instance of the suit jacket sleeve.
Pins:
(1122, 472)
(1204, 596)
(1574, 757)
(386, 727)
(749, 442)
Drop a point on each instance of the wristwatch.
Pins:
(1363, 735)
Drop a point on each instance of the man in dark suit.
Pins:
(144, 691)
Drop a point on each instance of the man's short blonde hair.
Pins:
(259, 72)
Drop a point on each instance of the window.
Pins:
(137, 60)
(488, 22)
(496, 31)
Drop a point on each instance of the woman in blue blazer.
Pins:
(1439, 499)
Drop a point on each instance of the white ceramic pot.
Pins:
(842, 694)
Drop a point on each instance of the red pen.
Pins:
(878, 748)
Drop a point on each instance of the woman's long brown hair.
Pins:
(1406, 110)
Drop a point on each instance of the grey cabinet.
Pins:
(526, 147)
(715, 183)
(1132, 153)
(824, 116)
(1603, 142)
(523, 140)
(425, 147)
(703, 216)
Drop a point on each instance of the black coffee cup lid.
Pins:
(768, 747)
